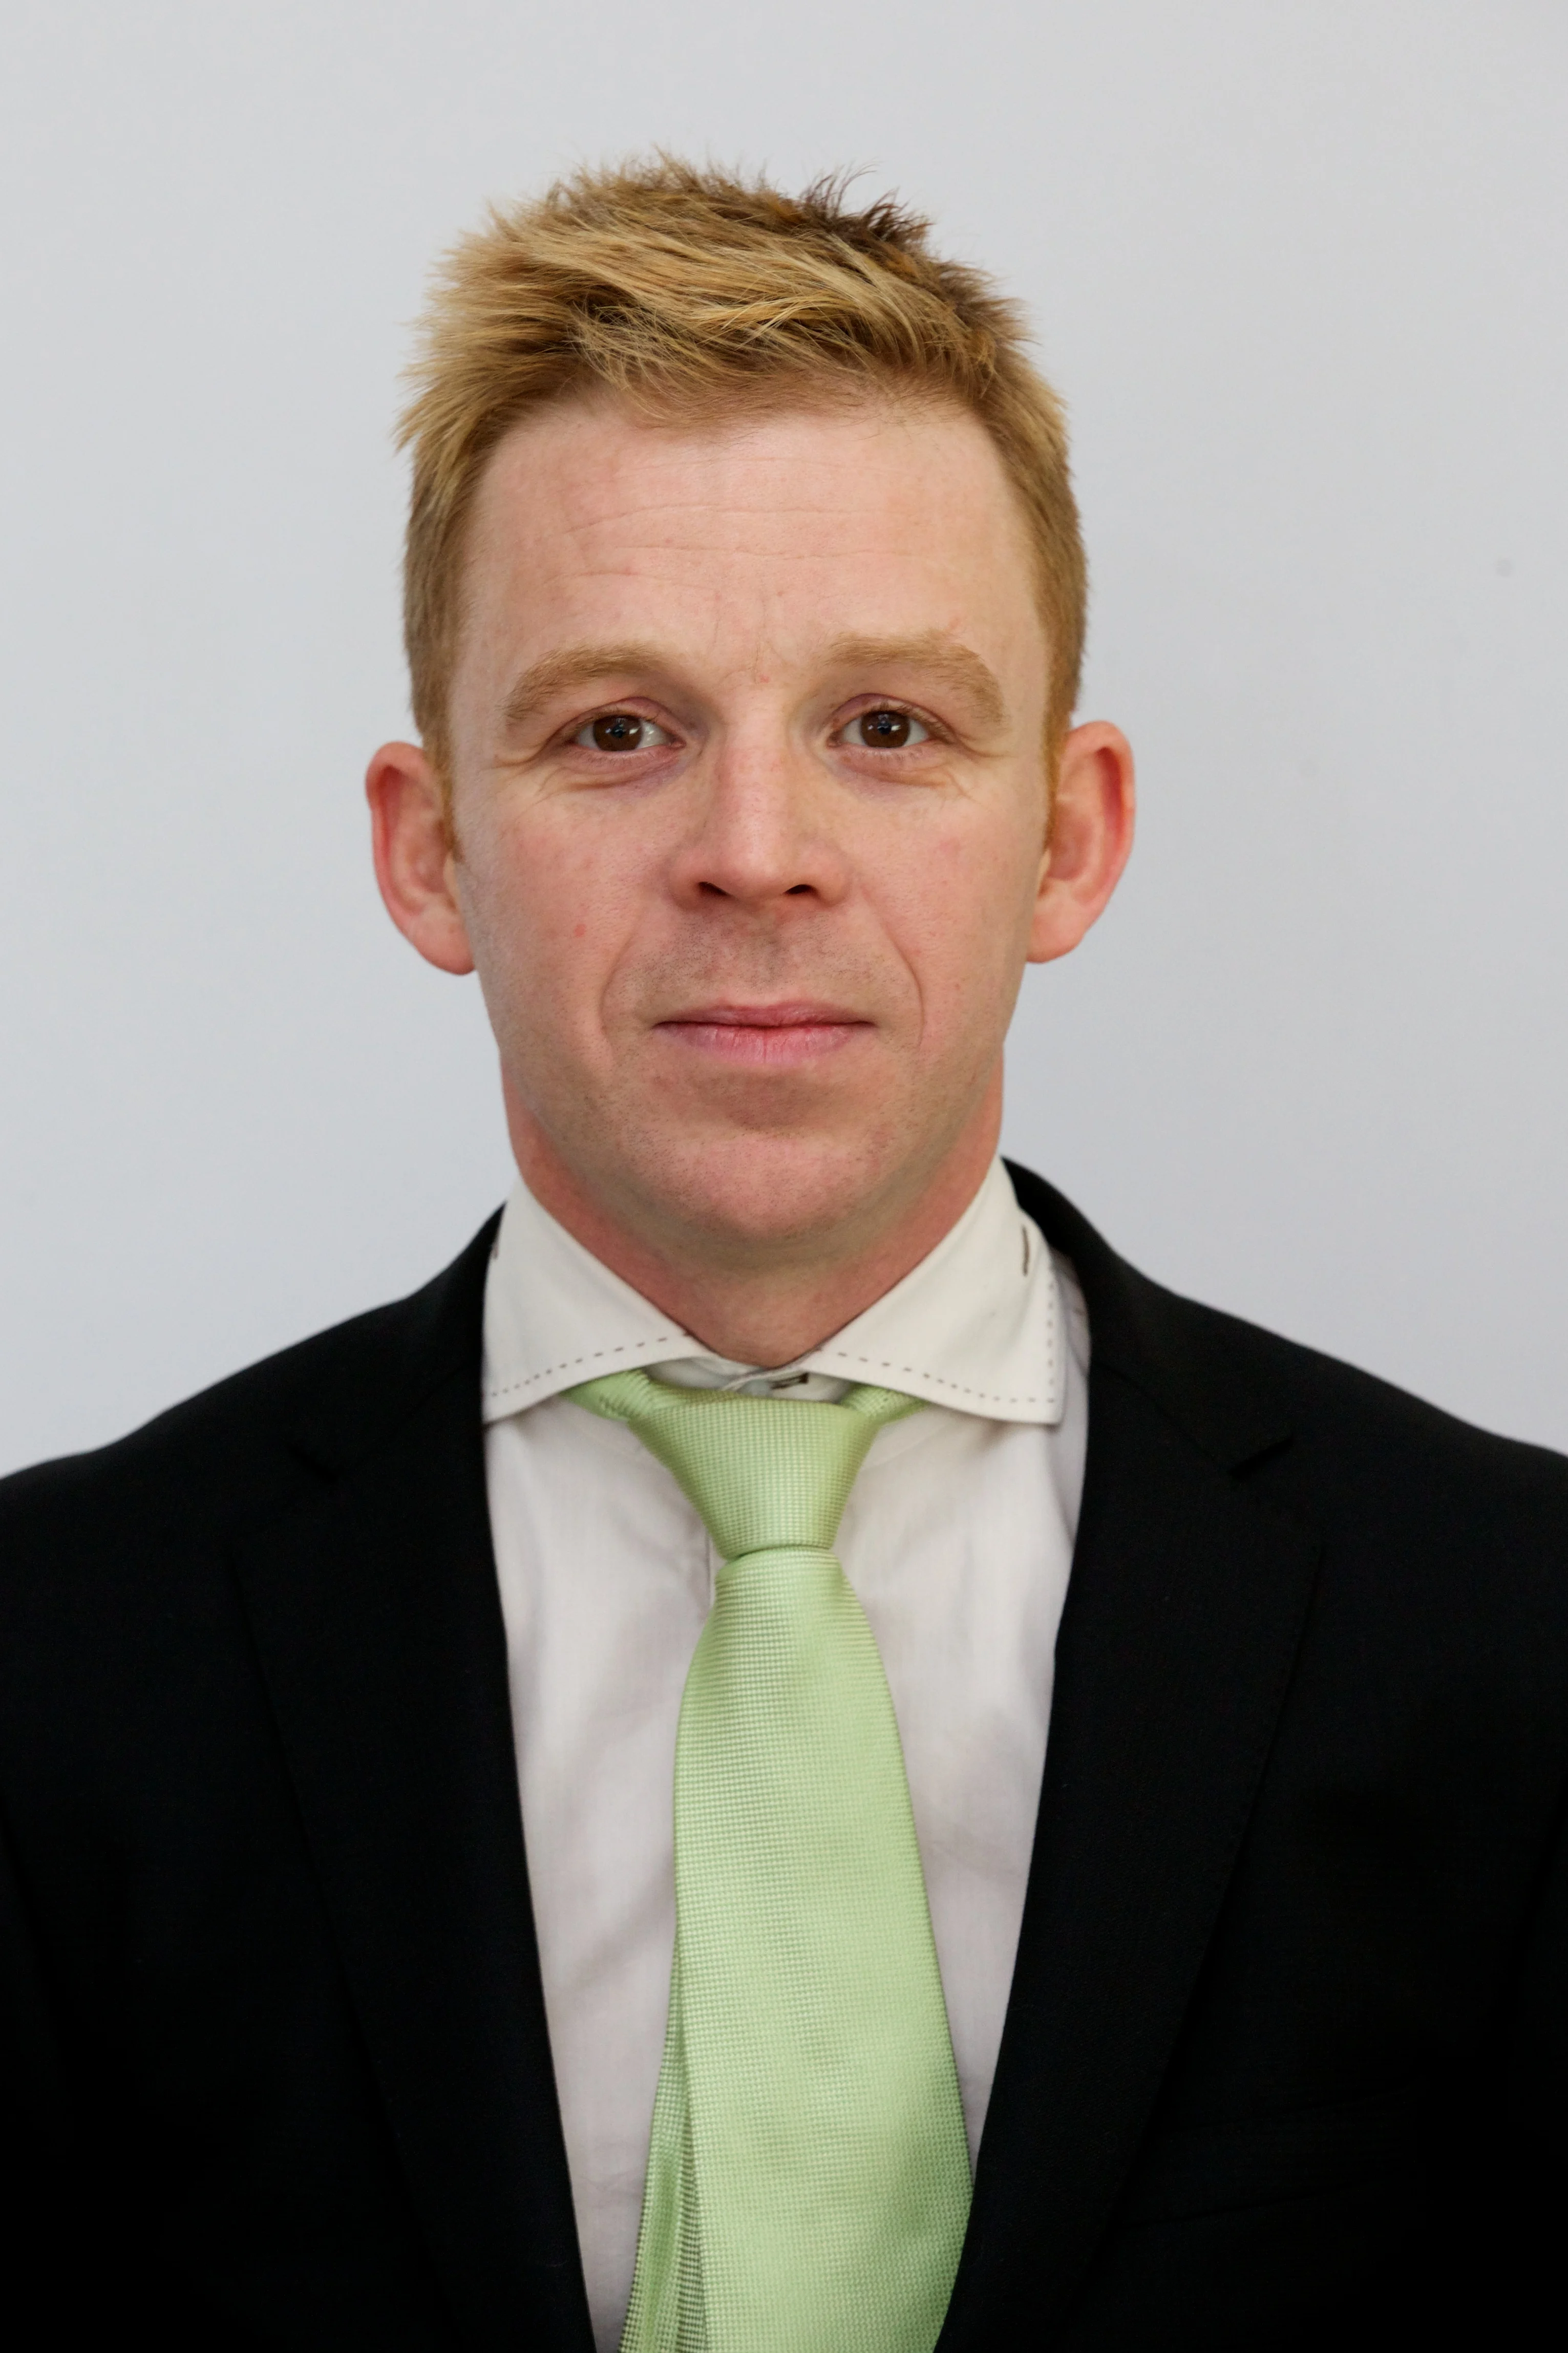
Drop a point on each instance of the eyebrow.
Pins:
(934, 652)
(938, 655)
(574, 666)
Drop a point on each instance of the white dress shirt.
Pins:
(957, 1539)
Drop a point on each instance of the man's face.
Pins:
(750, 799)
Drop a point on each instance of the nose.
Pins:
(761, 835)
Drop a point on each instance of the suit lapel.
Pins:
(1182, 1622)
(375, 1613)
(377, 1621)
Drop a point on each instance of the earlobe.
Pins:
(411, 843)
(1090, 840)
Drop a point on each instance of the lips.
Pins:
(765, 1036)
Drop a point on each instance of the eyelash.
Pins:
(618, 711)
(930, 731)
(899, 710)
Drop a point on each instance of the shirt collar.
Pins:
(976, 1326)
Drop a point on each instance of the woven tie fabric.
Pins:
(808, 2175)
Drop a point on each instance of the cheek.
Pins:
(551, 914)
(961, 910)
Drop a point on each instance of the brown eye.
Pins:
(886, 731)
(618, 730)
(621, 731)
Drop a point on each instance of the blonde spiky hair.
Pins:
(691, 294)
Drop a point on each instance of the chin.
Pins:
(775, 1190)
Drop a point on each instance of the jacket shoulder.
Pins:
(240, 1450)
(1363, 1419)
(1244, 1394)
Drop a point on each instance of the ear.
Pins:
(411, 835)
(1089, 841)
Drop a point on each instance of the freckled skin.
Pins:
(750, 953)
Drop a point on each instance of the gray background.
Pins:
(1298, 269)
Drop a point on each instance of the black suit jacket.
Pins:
(1285, 2062)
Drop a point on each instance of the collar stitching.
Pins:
(886, 1364)
(570, 1364)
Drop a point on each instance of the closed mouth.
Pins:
(766, 1036)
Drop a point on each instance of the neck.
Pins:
(757, 1306)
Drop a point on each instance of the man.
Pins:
(576, 1808)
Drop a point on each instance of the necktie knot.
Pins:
(764, 1473)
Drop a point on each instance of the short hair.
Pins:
(695, 293)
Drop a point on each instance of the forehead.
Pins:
(871, 515)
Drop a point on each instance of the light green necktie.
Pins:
(808, 2176)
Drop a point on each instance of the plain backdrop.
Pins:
(1298, 267)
